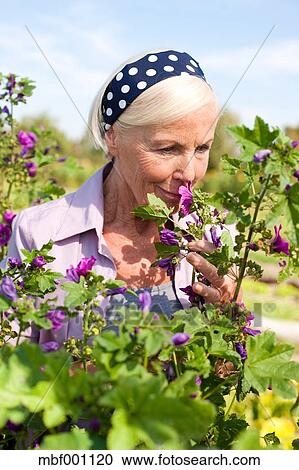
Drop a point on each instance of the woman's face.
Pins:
(159, 159)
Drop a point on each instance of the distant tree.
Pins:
(223, 143)
(292, 132)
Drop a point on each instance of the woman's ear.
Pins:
(111, 141)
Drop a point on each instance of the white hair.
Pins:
(166, 101)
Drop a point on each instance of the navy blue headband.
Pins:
(138, 76)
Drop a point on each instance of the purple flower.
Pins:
(198, 380)
(31, 168)
(241, 350)
(189, 237)
(8, 216)
(278, 244)
(8, 289)
(145, 301)
(11, 83)
(46, 150)
(249, 318)
(50, 346)
(72, 274)
(261, 155)
(253, 246)
(27, 140)
(168, 237)
(57, 318)
(186, 198)
(14, 262)
(38, 262)
(193, 395)
(250, 331)
(169, 370)
(117, 290)
(94, 425)
(166, 263)
(287, 187)
(296, 174)
(13, 427)
(180, 338)
(294, 143)
(83, 267)
(215, 239)
(61, 159)
(5, 234)
(190, 292)
(5, 110)
(282, 263)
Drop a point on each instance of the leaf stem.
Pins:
(231, 404)
(177, 370)
(250, 233)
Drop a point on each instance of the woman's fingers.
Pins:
(206, 268)
(210, 294)
(202, 245)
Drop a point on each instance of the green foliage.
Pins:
(269, 363)
(146, 391)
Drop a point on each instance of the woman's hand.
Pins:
(222, 289)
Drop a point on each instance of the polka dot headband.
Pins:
(138, 76)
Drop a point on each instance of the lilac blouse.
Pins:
(75, 223)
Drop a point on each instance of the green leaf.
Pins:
(288, 205)
(227, 240)
(263, 135)
(154, 340)
(269, 363)
(295, 444)
(77, 439)
(231, 166)
(155, 210)
(4, 303)
(248, 439)
(77, 293)
(145, 416)
(199, 360)
(228, 429)
(54, 416)
(110, 341)
(166, 251)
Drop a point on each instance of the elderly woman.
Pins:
(155, 119)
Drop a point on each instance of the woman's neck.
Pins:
(119, 201)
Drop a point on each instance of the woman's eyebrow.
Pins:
(167, 141)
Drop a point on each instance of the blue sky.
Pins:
(85, 40)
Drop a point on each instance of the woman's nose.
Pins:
(185, 170)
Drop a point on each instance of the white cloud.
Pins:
(280, 57)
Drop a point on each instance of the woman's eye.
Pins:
(200, 149)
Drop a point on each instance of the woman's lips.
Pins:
(171, 196)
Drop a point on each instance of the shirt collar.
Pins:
(84, 207)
